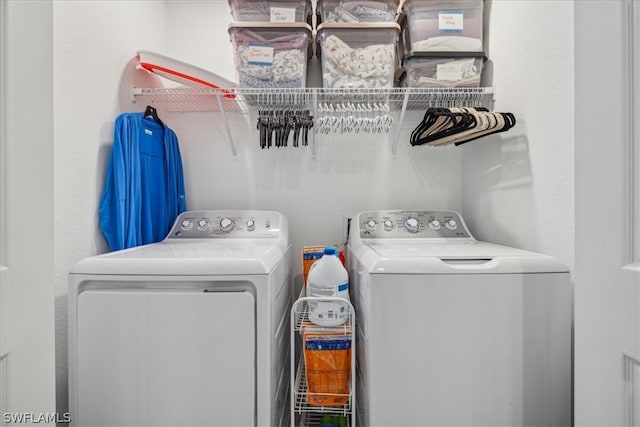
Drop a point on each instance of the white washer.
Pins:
(190, 331)
(453, 331)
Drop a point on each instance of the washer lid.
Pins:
(188, 257)
(449, 257)
(446, 248)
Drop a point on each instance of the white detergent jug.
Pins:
(328, 278)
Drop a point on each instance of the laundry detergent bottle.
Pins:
(328, 278)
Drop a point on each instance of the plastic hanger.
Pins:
(153, 113)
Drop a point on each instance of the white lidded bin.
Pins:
(328, 278)
(278, 11)
(358, 55)
(437, 25)
(270, 55)
(357, 10)
(439, 69)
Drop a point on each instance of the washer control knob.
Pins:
(370, 225)
(388, 224)
(434, 224)
(251, 225)
(186, 224)
(451, 224)
(203, 224)
(411, 225)
(226, 224)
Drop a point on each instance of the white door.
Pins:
(607, 274)
(27, 375)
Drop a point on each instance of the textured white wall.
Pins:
(197, 34)
(94, 42)
(518, 186)
(348, 176)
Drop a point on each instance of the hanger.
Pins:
(459, 125)
(153, 113)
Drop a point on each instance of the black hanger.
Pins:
(153, 113)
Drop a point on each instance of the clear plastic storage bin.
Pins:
(358, 55)
(436, 25)
(269, 55)
(281, 11)
(427, 69)
(357, 10)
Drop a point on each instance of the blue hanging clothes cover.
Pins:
(144, 186)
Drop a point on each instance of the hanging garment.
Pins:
(144, 187)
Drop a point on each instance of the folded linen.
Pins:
(367, 67)
(448, 43)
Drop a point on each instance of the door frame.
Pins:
(27, 318)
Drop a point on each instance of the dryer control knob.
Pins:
(186, 224)
(411, 225)
(226, 224)
(370, 225)
(434, 224)
(202, 224)
(451, 224)
(388, 224)
(251, 225)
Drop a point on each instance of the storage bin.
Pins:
(357, 10)
(282, 11)
(435, 25)
(436, 69)
(358, 55)
(269, 55)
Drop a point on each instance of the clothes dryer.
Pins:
(189, 331)
(453, 331)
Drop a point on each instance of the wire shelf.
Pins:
(302, 410)
(301, 321)
(374, 105)
(249, 99)
(309, 419)
(302, 392)
(184, 99)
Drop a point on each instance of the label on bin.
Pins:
(260, 55)
(451, 20)
(283, 14)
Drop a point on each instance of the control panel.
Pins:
(411, 223)
(236, 224)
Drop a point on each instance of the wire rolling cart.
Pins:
(304, 413)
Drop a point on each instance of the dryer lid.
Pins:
(188, 257)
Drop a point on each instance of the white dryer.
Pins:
(453, 331)
(190, 331)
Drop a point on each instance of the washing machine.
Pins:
(452, 331)
(189, 331)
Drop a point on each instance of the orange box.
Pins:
(327, 358)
